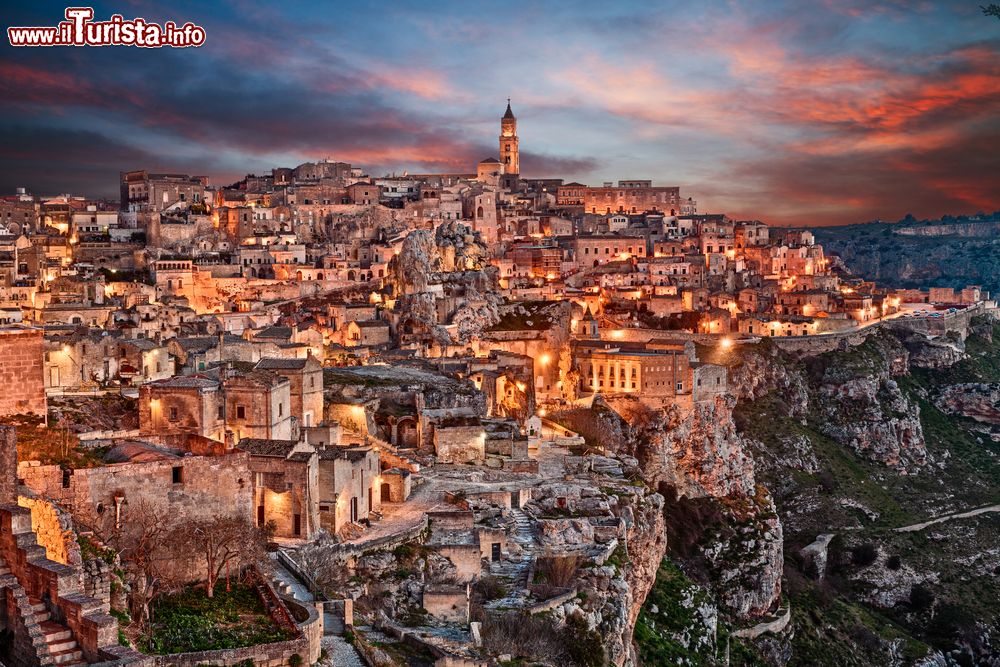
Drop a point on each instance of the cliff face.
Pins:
(881, 458)
(616, 591)
(695, 452)
(852, 394)
(952, 255)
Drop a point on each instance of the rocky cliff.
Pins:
(951, 255)
(885, 450)
(695, 452)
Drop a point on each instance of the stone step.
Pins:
(67, 657)
(54, 632)
(62, 646)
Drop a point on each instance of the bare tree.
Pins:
(225, 542)
(140, 534)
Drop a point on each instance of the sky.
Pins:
(807, 112)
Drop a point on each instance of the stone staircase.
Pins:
(63, 649)
(515, 568)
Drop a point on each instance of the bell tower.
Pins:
(508, 147)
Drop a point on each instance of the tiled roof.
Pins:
(281, 364)
(265, 447)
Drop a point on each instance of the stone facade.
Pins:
(447, 603)
(22, 372)
(459, 440)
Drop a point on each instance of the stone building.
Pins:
(305, 377)
(350, 486)
(22, 372)
(366, 334)
(650, 371)
(142, 191)
(457, 438)
(632, 197)
(252, 404)
(285, 484)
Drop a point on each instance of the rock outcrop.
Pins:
(697, 451)
(980, 402)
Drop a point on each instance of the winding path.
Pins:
(947, 517)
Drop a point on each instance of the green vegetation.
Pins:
(678, 632)
(189, 621)
(915, 261)
(832, 630)
(51, 446)
(953, 596)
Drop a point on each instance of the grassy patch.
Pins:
(189, 621)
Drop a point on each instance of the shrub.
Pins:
(583, 645)
(864, 555)
(523, 635)
(489, 588)
(894, 562)
(557, 570)
(295, 660)
(921, 597)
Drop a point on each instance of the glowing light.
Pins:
(726, 343)
(541, 412)
(617, 333)
(545, 358)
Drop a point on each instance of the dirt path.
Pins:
(948, 517)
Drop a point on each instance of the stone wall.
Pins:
(459, 444)
(58, 585)
(8, 465)
(466, 558)
(447, 521)
(53, 529)
(22, 372)
(447, 603)
(208, 486)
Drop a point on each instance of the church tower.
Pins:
(508, 147)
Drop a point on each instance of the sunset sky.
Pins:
(792, 112)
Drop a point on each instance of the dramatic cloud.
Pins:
(846, 112)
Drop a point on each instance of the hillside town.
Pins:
(374, 400)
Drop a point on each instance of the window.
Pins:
(241, 412)
(281, 409)
(173, 414)
(177, 474)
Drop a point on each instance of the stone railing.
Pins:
(774, 625)
(552, 602)
(108, 435)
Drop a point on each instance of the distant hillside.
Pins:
(950, 252)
